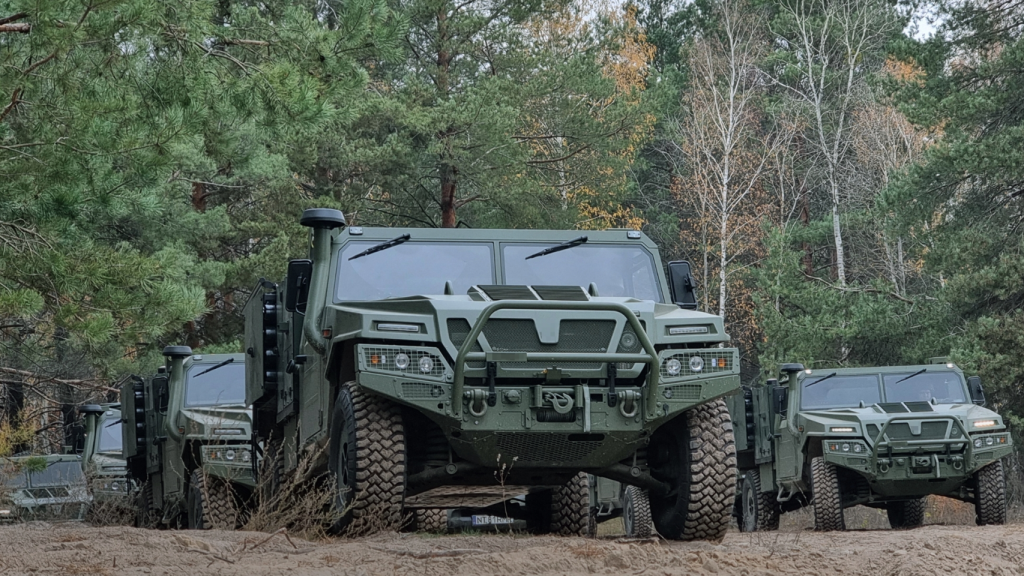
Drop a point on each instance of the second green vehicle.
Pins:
(882, 437)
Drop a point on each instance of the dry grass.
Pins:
(302, 506)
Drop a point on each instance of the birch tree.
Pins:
(828, 49)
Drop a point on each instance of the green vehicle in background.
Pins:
(187, 434)
(432, 369)
(50, 488)
(102, 456)
(884, 437)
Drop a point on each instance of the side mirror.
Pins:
(977, 393)
(780, 398)
(162, 393)
(297, 286)
(682, 285)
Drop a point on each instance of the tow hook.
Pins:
(883, 465)
(630, 403)
(477, 401)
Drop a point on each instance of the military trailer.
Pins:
(438, 369)
(102, 458)
(187, 434)
(884, 437)
(50, 487)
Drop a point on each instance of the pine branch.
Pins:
(9, 19)
(16, 28)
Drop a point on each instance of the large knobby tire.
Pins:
(758, 510)
(210, 503)
(368, 459)
(571, 514)
(990, 495)
(145, 515)
(698, 457)
(636, 513)
(905, 513)
(825, 496)
(431, 520)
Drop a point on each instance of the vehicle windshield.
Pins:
(839, 391)
(110, 435)
(58, 474)
(225, 385)
(620, 271)
(411, 269)
(11, 476)
(945, 387)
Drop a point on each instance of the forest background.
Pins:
(846, 176)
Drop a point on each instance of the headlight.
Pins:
(401, 360)
(696, 363)
(5, 512)
(989, 441)
(229, 455)
(983, 423)
(673, 367)
(846, 447)
(977, 443)
(841, 429)
(426, 364)
(858, 448)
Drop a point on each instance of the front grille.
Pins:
(520, 335)
(545, 447)
(385, 360)
(713, 362)
(929, 431)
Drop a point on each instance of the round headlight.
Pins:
(628, 340)
(846, 447)
(401, 361)
(230, 455)
(696, 363)
(426, 364)
(977, 442)
(673, 367)
(245, 456)
(989, 441)
(668, 393)
(857, 448)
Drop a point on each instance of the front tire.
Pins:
(636, 513)
(210, 504)
(827, 499)
(145, 516)
(697, 455)
(431, 520)
(368, 459)
(570, 508)
(990, 495)
(905, 513)
(758, 510)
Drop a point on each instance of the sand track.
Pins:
(39, 548)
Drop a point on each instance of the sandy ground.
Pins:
(39, 548)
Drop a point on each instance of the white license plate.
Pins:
(487, 520)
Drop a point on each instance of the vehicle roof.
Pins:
(613, 236)
(881, 370)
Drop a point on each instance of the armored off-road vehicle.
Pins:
(187, 434)
(438, 369)
(102, 458)
(882, 437)
(50, 487)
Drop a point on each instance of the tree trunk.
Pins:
(448, 186)
(838, 235)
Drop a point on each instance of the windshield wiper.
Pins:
(820, 379)
(212, 368)
(921, 371)
(382, 246)
(563, 246)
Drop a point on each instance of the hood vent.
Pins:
(919, 406)
(905, 407)
(511, 292)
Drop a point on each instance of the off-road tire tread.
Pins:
(144, 514)
(638, 503)
(431, 520)
(825, 496)
(218, 503)
(380, 465)
(712, 472)
(767, 505)
(990, 495)
(905, 514)
(570, 508)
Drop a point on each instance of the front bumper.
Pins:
(230, 462)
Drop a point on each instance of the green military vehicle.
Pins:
(882, 437)
(102, 458)
(443, 369)
(50, 487)
(187, 434)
